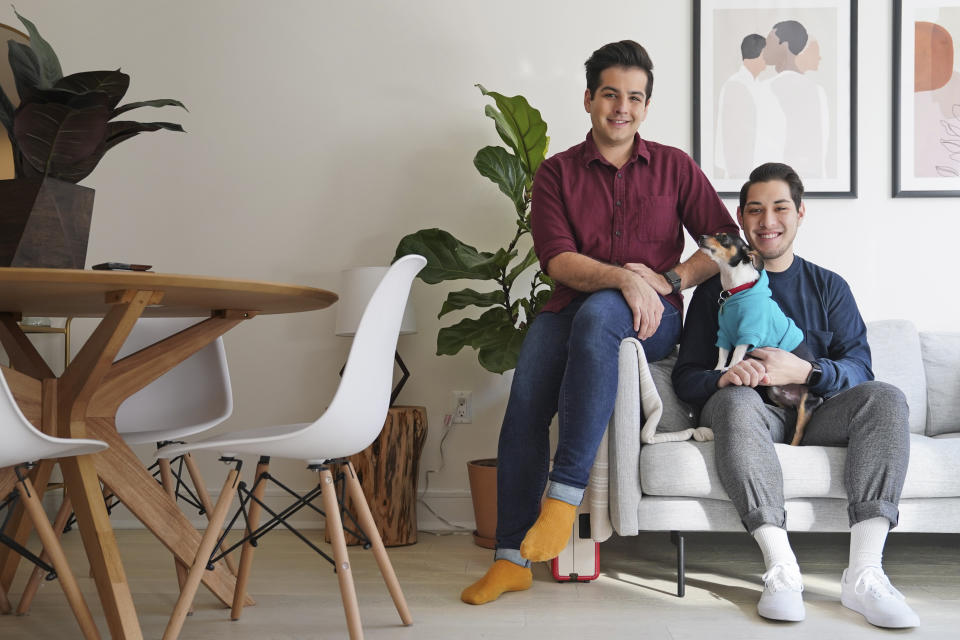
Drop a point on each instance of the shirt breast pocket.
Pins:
(655, 219)
(819, 342)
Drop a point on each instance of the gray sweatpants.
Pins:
(869, 419)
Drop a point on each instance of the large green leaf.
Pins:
(450, 259)
(521, 127)
(122, 130)
(160, 102)
(53, 136)
(50, 71)
(112, 83)
(468, 297)
(506, 171)
(25, 67)
(531, 258)
(492, 334)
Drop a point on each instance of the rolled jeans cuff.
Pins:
(760, 516)
(565, 493)
(513, 555)
(873, 509)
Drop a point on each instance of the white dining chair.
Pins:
(350, 424)
(24, 444)
(190, 398)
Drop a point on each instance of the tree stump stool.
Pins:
(388, 471)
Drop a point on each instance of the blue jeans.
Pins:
(567, 367)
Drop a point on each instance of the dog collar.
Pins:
(727, 293)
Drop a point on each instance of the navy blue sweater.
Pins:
(821, 304)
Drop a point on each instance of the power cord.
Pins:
(457, 529)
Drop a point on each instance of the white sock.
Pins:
(774, 545)
(866, 543)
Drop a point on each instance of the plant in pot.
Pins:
(498, 332)
(59, 131)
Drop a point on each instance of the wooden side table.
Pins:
(388, 470)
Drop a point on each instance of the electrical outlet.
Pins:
(462, 407)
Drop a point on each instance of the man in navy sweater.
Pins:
(868, 417)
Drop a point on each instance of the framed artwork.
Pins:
(926, 98)
(776, 81)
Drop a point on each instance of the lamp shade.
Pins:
(356, 288)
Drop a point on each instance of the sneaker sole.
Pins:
(850, 606)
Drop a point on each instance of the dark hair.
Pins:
(794, 33)
(625, 53)
(774, 171)
(752, 46)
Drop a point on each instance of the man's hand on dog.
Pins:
(644, 302)
(782, 367)
(746, 373)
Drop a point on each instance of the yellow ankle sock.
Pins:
(503, 576)
(550, 533)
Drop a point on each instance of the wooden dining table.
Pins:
(83, 401)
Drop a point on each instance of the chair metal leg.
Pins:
(33, 584)
(166, 478)
(57, 558)
(369, 527)
(339, 542)
(204, 499)
(207, 544)
(246, 555)
(677, 539)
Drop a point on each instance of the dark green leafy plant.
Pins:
(499, 331)
(64, 124)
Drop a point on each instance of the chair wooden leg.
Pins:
(57, 558)
(5, 607)
(344, 571)
(201, 490)
(369, 527)
(166, 478)
(246, 554)
(207, 543)
(33, 584)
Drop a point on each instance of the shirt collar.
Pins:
(591, 152)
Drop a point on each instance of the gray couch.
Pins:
(673, 486)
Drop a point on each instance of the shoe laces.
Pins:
(783, 577)
(872, 580)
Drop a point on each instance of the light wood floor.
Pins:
(298, 597)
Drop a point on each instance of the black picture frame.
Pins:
(837, 159)
(905, 150)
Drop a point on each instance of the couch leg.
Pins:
(677, 539)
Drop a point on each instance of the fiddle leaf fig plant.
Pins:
(65, 124)
(498, 332)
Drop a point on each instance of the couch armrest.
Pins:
(624, 443)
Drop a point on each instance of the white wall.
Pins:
(319, 133)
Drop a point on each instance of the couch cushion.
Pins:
(941, 359)
(688, 469)
(895, 349)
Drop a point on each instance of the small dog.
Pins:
(750, 318)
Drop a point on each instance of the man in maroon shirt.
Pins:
(607, 218)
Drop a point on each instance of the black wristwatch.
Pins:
(673, 279)
(816, 372)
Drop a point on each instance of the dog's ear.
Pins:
(755, 259)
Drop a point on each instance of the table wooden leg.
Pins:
(83, 488)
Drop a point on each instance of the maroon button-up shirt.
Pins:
(637, 213)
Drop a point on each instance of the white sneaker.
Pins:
(870, 594)
(781, 598)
